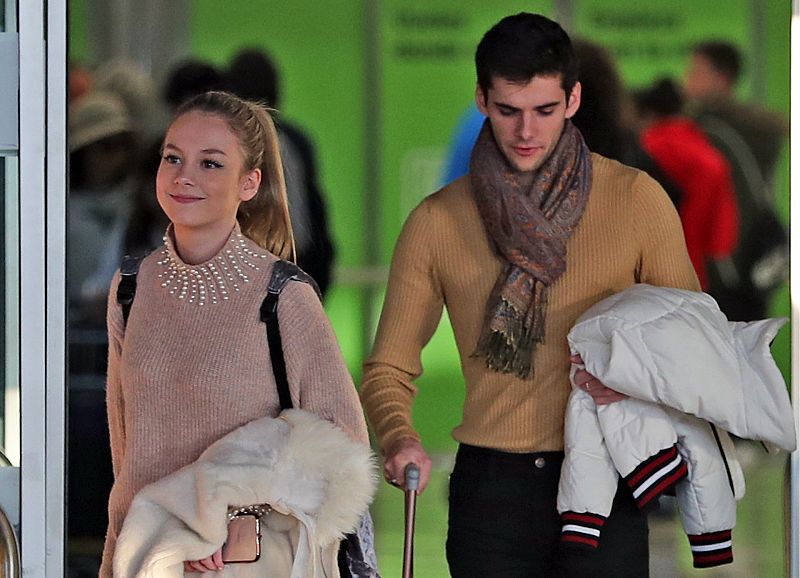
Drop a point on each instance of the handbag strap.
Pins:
(282, 273)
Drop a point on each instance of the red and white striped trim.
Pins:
(711, 549)
(582, 529)
(655, 475)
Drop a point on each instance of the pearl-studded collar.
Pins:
(212, 281)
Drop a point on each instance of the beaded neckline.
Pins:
(212, 281)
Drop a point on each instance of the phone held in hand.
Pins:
(244, 539)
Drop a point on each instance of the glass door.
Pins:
(32, 288)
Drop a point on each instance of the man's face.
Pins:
(702, 80)
(527, 118)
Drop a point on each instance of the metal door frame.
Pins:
(42, 27)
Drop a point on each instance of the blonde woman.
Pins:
(191, 364)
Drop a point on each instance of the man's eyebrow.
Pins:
(504, 105)
(548, 105)
(540, 107)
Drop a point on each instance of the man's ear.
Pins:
(574, 101)
(251, 181)
(480, 100)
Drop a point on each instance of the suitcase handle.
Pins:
(412, 477)
(411, 488)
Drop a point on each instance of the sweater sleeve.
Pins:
(315, 367)
(115, 402)
(411, 312)
(664, 260)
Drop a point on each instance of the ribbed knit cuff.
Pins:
(712, 549)
(581, 530)
(655, 475)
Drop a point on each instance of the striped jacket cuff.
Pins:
(656, 475)
(581, 530)
(712, 549)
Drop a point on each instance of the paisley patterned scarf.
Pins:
(529, 218)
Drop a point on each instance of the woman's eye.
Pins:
(171, 159)
(211, 164)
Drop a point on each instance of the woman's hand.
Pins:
(601, 394)
(212, 563)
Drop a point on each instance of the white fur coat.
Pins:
(317, 480)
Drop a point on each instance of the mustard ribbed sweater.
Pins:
(629, 233)
(181, 375)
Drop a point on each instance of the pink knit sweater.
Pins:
(182, 375)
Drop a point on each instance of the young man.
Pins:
(538, 231)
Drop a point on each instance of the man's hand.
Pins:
(601, 394)
(401, 453)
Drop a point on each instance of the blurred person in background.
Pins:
(79, 82)
(103, 149)
(103, 153)
(467, 129)
(137, 89)
(751, 138)
(189, 78)
(539, 230)
(602, 119)
(253, 75)
(682, 150)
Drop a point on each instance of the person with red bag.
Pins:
(683, 152)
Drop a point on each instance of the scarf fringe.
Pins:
(503, 357)
(510, 349)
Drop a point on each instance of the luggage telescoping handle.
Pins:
(411, 489)
(412, 477)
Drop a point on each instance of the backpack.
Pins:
(742, 284)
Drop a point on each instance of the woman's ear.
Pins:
(251, 181)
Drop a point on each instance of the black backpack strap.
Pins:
(126, 290)
(282, 273)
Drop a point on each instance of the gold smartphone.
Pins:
(244, 540)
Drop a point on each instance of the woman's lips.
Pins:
(183, 199)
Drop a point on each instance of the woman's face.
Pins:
(202, 178)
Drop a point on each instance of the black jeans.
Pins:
(503, 522)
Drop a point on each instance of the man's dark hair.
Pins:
(723, 56)
(252, 75)
(522, 46)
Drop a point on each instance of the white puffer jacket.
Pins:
(683, 363)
